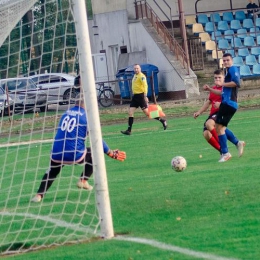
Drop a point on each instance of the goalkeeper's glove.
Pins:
(116, 154)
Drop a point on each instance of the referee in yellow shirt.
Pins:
(139, 99)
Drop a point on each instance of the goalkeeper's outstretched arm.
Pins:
(114, 154)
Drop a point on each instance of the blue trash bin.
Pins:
(150, 71)
(123, 84)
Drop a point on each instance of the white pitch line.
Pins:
(150, 242)
(163, 246)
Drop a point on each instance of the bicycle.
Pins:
(105, 95)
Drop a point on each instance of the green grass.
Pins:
(211, 207)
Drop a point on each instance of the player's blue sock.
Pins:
(231, 137)
(223, 143)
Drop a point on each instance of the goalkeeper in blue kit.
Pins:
(69, 148)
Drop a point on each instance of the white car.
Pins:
(59, 87)
(23, 94)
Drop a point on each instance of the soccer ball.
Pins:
(178, 163)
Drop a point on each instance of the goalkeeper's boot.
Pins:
(83, 184)
(126, 132)
(37, 198)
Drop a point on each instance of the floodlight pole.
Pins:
(89, 90)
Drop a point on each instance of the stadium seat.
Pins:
(254, 32)
(249, 41)
(229, 35)
(223, 44)
(243, 52)
(256, 69)
(236, 42)
(197, 28)
(190, 20)
(255, 51)
(247, 24)
(204, 36)
(241, 33)
(228, 16)
(240, 15)
(216, 35)
(235, 25)
(257, 22)
(210, 46)
(217, 54)
(251, 60)
(222, 26)
(203, 19)
(245, 71)
(238, 61)
(258, 40)
(215, 18)
(232, 52)
(209, 27)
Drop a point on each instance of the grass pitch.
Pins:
(211, 210)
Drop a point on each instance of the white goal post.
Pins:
(46, 38)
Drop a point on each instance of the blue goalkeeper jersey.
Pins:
(69, 142)
(229, 95)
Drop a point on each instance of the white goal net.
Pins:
(39, 42)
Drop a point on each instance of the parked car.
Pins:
(6, 103)
(59, 87)
(24, 93)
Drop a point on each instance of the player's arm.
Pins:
(215, 91)
(114, 154)
(231, 84)
(235, 79)
(202, 109)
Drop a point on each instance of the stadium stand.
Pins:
(254, 32)
(258, 40)
(257, 22)
(231, 51)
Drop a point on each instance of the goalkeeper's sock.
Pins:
(213, 142)
(130, 123)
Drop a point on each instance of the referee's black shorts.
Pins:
(138, 100)
(225, 114)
